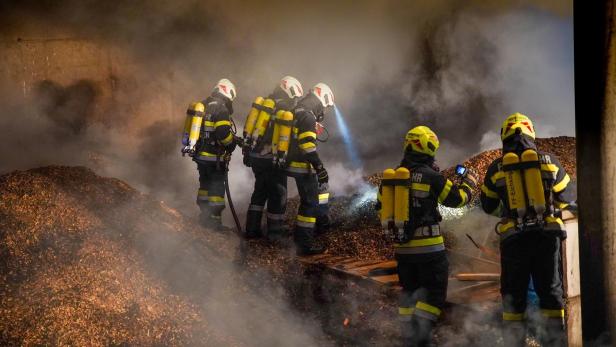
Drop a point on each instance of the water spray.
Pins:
(348, 141)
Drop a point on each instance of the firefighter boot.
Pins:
(553, 333)
(422, 332)
(253, 224)
(276, 229)
(514, 334)
(305, 243)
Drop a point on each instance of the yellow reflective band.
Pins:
(488, 192)
(221, 123)
(510, 316)
(323, 196)
(405, 311)
(421, 186)
(299, 165)
(307, 134)
(306, 219)
(227, 139)
(207, 154)
(552, 219)
(561, 205)
(553, 313)
(549, 167)
(208, 123)
(202, 192)
(428, 308)
(423, 242)
(497, 176)
(559, 187)
(307, 145)
(217, 198)
(295, 131)
(464, 197)
(504, 227)
(445, 192)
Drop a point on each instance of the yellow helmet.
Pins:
(421, 139)
(513, 123)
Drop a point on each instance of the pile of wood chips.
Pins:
(356, 229)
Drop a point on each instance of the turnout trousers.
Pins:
(211, 194)
(424, 289)
(308, 190)
(270, 188)
(532, 254)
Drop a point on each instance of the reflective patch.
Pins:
(274, 216)
(323, 198)
(217, 201)
(559, 187)
(420, 250)
(489, 193)
(445, 192)
(427, 311)
(256, 208)
(559, 313)
(513, 316)
(405, 311)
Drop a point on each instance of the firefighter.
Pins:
(305, 165)
(270, 180)
(212, 151)
(419, 247)
(526, 188)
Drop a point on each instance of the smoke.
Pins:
(106, 84)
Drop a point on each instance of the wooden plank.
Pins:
(367, 268)
(389, 280)
(358, 263)
(478, 276)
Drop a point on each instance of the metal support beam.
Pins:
(595, 103)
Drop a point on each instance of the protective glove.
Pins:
(226, 157)
(246, 154)
(187, 150)
(471, 178)
(322, 176)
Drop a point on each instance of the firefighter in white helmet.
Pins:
(306, 167)
(270, 180)
(210, 142)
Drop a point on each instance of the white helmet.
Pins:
(292, 87)
(226, 88)
(324, 93)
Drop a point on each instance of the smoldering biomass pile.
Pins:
(89, 261)
(355, 226)
(73, 265)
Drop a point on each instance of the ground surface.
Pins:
(87, 260)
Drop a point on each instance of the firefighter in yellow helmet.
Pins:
(526, 188)
(270, 180)
(419, 245)
(210, 141)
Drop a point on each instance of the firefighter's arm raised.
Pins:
(490, 201)
(450, 194)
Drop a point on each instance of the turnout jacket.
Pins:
(429, 188)
(303, 156)
(494, 198)
(216, 137)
